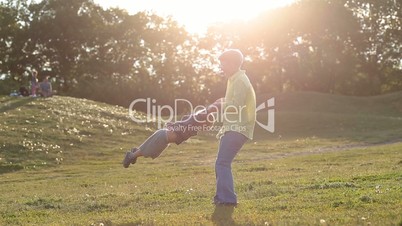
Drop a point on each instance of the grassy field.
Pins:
(333, 160)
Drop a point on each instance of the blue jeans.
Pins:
(230, 144)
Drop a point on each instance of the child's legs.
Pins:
(155, 144)
(33, 90)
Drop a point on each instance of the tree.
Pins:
(381, 47)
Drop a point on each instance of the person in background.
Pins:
(23, 91)
(34, 83)
(46, 87)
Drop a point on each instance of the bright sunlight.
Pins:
(196, 16)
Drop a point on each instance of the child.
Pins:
(177, 132)
(46, 87)
(34, 83)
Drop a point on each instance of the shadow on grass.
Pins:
(223, 215)
(15, 103)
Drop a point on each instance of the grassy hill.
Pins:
(60, 165)
(44, 132)
(357, 119)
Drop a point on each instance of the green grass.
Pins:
(357, 119)
(60, 165)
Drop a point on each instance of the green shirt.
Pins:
(240, 105)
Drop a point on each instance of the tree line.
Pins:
(348, 47)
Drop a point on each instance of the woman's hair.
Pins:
(233, 56)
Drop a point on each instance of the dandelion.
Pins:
(377, 189)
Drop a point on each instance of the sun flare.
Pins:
(196, 16)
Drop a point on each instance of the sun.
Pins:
(200, 16)
(197, 16)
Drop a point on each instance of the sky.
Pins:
(197, 15)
